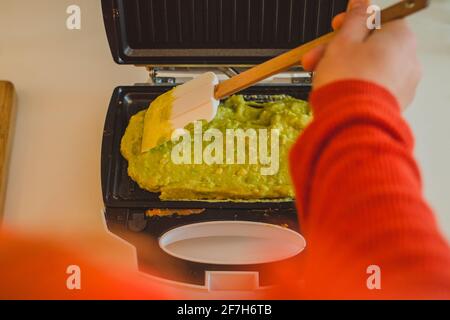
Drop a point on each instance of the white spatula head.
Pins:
(195, 100)
(189, 102)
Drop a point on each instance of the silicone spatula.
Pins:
(199, 98)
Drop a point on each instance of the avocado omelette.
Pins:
(155, 171)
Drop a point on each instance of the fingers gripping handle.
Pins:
(293, 57)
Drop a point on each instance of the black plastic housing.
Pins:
(223, 32)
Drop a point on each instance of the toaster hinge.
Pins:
(305, 80)
(178, 75)
(156, 79)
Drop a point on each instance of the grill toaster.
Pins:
(175, 40)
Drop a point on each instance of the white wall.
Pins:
(64, 81)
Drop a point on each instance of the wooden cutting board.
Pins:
(7, 97)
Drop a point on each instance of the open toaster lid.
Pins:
(213, 32)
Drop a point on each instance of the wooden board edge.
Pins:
(7, 121)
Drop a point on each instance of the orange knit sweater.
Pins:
(360, 201)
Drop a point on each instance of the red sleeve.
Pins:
(360, 201)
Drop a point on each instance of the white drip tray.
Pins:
(232, 243)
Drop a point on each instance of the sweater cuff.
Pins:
(338, 92)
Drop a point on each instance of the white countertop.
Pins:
(64, 81)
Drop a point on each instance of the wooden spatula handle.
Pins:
(293, 57)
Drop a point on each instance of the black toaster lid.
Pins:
(223, 32)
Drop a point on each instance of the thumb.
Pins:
(354, 28)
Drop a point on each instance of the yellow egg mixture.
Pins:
(155, 170)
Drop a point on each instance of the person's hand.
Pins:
(386, 57)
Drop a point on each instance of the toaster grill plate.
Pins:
(118, 188)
